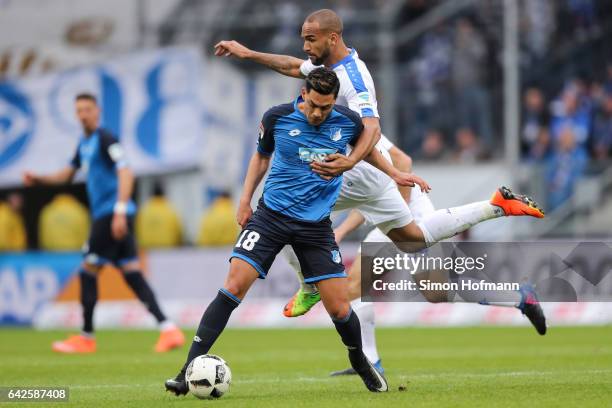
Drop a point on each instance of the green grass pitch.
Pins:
(458, 367)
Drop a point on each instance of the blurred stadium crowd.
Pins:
(453, 77)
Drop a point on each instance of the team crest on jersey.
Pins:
(294, 132)
(336, 134)
(336, 256)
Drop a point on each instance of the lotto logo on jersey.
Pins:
(261, 131)
(309, 155)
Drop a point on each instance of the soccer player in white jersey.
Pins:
(364, 187)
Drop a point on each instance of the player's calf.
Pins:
(215, 318)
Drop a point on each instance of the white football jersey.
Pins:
(357, 92)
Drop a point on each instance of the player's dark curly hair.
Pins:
(324, 81)
(85, 96)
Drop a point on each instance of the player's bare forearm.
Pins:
(119, 224)
(337, 163)
(258, 166)
(351, 223)
(126, 184)
(284, 64)
(369, 137)
(402, 162)
(61, 177)
(376, 159)
(257, 169)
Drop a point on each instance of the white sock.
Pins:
(449, 222)
(506, 298)
(292, 259)
(365, 312)
(166, 325)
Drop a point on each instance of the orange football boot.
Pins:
(169, 339)
(516, 204)
(76, 344)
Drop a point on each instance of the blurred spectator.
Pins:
(219, 226)
(583, 12)
(602, 135)
(431, 73)
(433, 147)
(608, 82)
(468, 149)
(568, 111)
(288, 15)
(565, 167)
(539, 25)
(157, 222)
(472, 97)
(12, 229)
(63, 224)
(535, 122)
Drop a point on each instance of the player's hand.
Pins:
(410, 180)
(245, 212)
(334, 165)
(229, 48)
(119, 227)
(29, 179)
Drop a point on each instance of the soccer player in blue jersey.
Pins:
(294, 210)
(368, 190)
(109, 188)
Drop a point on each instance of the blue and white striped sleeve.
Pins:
(362, 97)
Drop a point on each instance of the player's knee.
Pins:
(131, 267)
(409, 238)
(235, 288)
(90, 268)
(338, 310)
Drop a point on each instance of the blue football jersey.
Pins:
(292, 188)
(99, 155)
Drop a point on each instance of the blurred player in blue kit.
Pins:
(109, 183)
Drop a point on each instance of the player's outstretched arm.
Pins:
(119, 226)
(285, 64)
(376, 159)
(367, 140)
(61, 177)
(402, 162)
(336, 163)
(257, 169)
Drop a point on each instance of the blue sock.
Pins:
(89, 298)
(212, 324)
(349, 329)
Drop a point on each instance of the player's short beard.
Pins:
(321, 59)
(88, 130)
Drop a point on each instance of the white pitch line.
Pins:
(327, 379)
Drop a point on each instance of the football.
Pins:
(208, 376)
